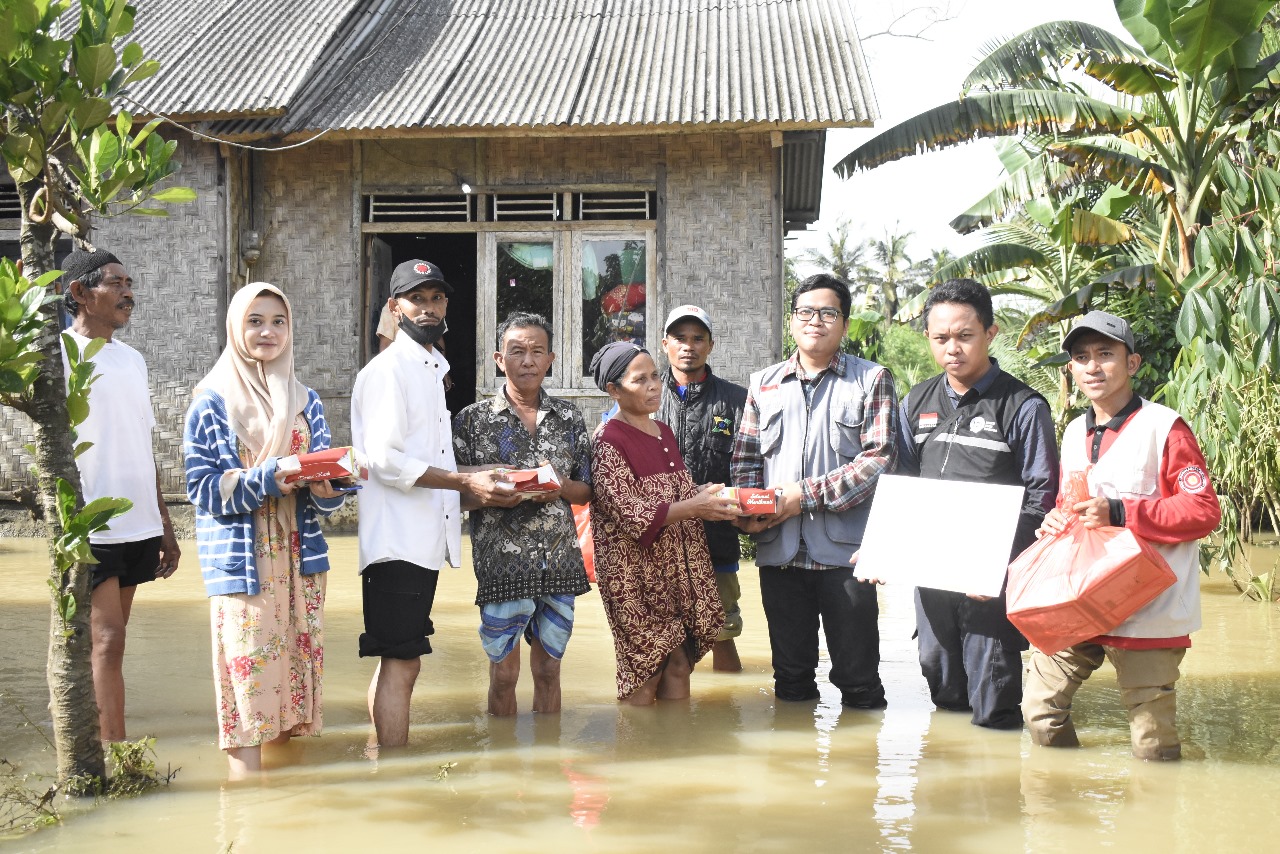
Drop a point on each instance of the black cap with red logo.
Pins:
(411, 274)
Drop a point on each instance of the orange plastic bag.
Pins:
(1082, 583)
(582, 520)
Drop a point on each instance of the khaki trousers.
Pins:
(1146, 678)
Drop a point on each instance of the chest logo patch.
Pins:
(928, 420)
(1192, 479)
(721, 425)
(978, 424)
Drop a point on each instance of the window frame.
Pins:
(567, 241)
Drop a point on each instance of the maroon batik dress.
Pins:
(656, 582)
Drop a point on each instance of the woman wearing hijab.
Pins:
(261, 551)
(652, 564)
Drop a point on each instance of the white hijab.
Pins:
(262, 398)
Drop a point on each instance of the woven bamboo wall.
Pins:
(719, 243)
(176, 265)
(308, 251)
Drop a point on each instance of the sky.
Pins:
(921, 194)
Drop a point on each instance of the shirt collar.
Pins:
(546, 403)
(1091, 419)
(982, 386)
(793, 368)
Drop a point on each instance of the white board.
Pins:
(945, 534)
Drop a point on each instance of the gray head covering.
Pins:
(610, 363)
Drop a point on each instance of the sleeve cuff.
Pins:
(409, 476)
(1117, 512)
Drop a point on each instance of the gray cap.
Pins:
(1113, 327)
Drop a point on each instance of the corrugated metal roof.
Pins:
(229, 56)
(358, 65)
(802, 159)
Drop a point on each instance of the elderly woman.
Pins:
(261, 551)
(652, 563)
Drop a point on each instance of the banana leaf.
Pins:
(993, 114)
(1044, 50)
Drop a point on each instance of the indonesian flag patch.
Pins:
(1192, 479)
(928, 420)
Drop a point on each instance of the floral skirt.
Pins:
(268, 649)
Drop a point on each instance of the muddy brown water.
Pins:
(730, 769)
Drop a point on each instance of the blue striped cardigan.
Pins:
(224, 529)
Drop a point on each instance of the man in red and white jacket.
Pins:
(1147, 474)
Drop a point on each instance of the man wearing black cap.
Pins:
(410, 513)
(703, 410)
(1146, 473)
(120, 463)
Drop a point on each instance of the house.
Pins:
(598, 161)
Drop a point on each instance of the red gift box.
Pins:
(532, 481)
(331, 464)
(755, 502)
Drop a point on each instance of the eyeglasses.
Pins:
(805, 313)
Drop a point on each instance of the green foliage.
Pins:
(1198, 83)
(21, 320)
(56, 125)
(1226, 380)
(905, 352)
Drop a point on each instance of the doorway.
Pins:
(455, 255)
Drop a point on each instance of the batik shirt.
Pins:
(529, 550)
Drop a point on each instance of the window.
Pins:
(525, 280)
(614, 276)
(593, 286)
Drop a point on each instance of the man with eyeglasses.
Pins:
(819, 429)
(974, 422)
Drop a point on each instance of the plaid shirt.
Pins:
(838, 489)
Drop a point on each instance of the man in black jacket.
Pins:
(703, 411)
(974, 422)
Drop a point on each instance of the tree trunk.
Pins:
(72, 705)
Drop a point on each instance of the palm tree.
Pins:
(842, 257)
(1195, 81)
(894, 271)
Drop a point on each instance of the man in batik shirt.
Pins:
(527, 562)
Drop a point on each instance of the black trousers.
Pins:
(971, 656)
(795, 600)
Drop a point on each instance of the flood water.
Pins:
(730, 769)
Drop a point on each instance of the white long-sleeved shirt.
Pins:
(400, 426)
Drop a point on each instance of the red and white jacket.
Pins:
(1155, 466)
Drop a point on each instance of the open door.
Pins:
(377, 283)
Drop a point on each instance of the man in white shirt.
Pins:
(139, 546)
(410, 508)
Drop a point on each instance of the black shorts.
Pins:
(397, 609)
(133, 563)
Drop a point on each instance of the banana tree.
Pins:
(1196, 80)
(1226, 381)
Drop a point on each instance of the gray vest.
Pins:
(799, 441)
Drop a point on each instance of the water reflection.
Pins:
(730, 768)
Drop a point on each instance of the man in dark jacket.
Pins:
(974, 422)
(703, 411)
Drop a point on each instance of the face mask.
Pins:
(426, 335)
